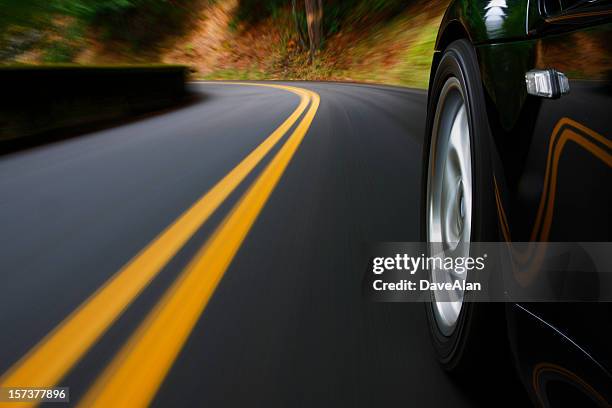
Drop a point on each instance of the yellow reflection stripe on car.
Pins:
(566, 129)
(135, 374)
(51, 359)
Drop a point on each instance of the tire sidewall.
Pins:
(459, 61)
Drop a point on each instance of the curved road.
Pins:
(286, 326)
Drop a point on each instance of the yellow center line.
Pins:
(135, 374)
(51, 359)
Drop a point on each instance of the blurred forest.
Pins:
(389, 41)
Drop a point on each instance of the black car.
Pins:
(518, 148)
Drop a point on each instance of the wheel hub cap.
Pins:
(449, 198)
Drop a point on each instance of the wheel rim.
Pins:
(449, 199)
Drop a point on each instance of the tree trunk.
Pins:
(314, 21)
(298, 24)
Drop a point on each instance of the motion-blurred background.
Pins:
(384, 41)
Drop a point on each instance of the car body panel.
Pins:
(482, 22)
(554, 368)
(511, 38)
(486, 21)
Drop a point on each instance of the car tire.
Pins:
(477, 339)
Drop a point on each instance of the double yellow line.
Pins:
(136, 372)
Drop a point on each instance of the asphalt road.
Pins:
(287, 325)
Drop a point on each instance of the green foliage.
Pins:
(233, 25)
(23, 12)
(135, 30)
(89, 9)
(349, 12)
(252, 11)
(139, 22)
(237, 74)
(416, 63)
(59, 52)
(19, 24)
(64, 50)
(31, 12)
(336, 14)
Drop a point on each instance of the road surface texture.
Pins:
(287, 324)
